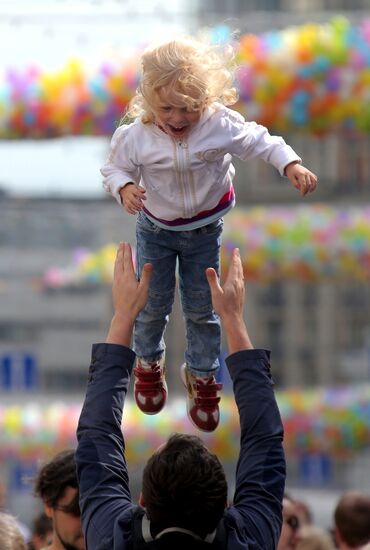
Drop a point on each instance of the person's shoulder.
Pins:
(231, 532)
(121, 132)
(138, 129)
(129, 127)
(226, 113)
(129, 132)
(225, 117)
(128, 522)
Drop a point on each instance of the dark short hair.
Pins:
(352, 518)
(55, 476)
(42, 525)
(184, 485)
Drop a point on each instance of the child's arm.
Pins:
(122, 166)
(251, 140)
(303, 179)
(132, 197)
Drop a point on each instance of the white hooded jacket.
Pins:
(188, 182)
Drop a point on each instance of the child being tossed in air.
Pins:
(172, 166)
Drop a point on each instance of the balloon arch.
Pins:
(313, 78)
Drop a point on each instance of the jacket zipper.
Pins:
(182, 162)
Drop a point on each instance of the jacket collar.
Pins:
(147, 536)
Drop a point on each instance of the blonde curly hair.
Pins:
(195, 73)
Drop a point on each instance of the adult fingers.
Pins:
(213, 281)
(128, 266)
(145, 277)
(118, 264)
(236, 267)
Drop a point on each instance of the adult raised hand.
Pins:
(129, 296)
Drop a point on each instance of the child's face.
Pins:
(174, 118)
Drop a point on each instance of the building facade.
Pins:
(319, 332)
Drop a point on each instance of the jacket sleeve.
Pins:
(101, 465)
(251, 140)
(260, 473)
(122, 166)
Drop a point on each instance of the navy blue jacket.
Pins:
(252, 522)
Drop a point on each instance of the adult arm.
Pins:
(260, 475)
(101, 464)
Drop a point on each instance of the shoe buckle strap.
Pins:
(208, 388)
(207, 402)
(148, 386)
(150, 375)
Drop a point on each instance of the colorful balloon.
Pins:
(306, 243)
(334, 421)
(313, 77)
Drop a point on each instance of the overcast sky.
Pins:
(47, 33)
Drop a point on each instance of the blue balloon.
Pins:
(299, 115)
(221, 34)
(300, 98)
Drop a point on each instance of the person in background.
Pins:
(56, 485)
(352, 521)
(2, 495)
(10, 536)
(184, 490)
(304, 512)
(42, 532)
(291, 525)
(312, 537)
(24, 529)
(172, 166)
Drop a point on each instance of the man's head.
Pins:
(42, 531)
(352, 519)
(56, 485)
(184, 485)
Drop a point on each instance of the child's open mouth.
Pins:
(177, 131)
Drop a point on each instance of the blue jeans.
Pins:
(195, 250)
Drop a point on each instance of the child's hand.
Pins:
(132, 197)
(302, 179)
